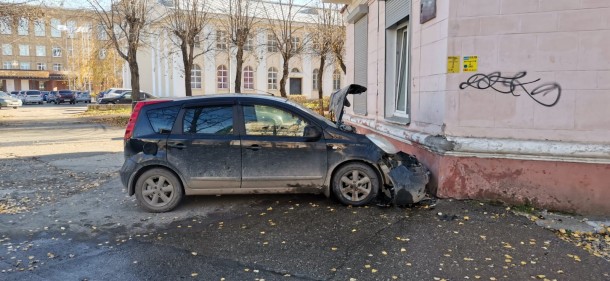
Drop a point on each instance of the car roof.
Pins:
(226, 96)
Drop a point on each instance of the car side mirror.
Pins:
(312, 132)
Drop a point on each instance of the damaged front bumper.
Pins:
(406, 179)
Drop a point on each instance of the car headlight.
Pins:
(382, 143)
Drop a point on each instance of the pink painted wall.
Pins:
(557, 41)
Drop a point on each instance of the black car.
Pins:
(248, 144)
(64, 96)
(123, 98)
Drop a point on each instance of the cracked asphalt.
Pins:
(73, 221)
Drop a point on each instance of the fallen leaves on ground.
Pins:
(597, 244)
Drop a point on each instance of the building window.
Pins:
(41, 85)
(102, 54)
(7, 65)
(197, 42)
(295, 43)
(336, 80)
(248, 78)
(222, 77)
(221, 40)
(315, 79)
(7, 49)
(272, 78)
(39, 28)
(196, 77)
(41, 66)
(24, 26)
(403, 61)
(24, 50)
(295, 70)
(249, 46)
(41, 51)
(56, 52)
(5, 25)
(24, 66)
(57, 66)
(101, 32)
(55, 32)
(271, 43)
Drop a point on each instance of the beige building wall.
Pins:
(563, 42)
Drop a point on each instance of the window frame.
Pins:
(25, 65)
(221, 40)
(393, 72)
(272, 46)
(196, 82)
(57, 67)
(8, 48)
(272, 74)
(224, 82)
(55, 32)
(300, 115)
(179, 127)
(56, 52)
(44, 51)
(41, 66)
(40, 29)
(24, 50)
(23, 26)
(336, 79)
(248, 78)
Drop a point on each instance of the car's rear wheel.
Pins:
(355, 184)
(158, 190)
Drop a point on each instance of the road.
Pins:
(73, 221)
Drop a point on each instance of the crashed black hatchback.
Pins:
(251, 144)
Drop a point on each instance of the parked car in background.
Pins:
(111, 92)
(124, 98)
(45, 95)
(64, 96)
(21, 96)
(51, 96)
(83, 97)
(32, 96)
(14, 94)
(250, 144)
(7, 100)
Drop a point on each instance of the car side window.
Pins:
(209, 120)
(127, 96)
(263, 120)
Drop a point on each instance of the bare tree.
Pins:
(242, 20)
(124, 22)
(185, 21)
(325, 36)
(284, 28)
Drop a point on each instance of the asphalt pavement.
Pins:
(77, 223)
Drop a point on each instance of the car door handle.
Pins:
(177, 145)
(254, 147)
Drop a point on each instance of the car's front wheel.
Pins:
(158, 190)
(355, 184)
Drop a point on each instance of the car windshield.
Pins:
(3, 94)
(312, 113)
(112, 95)
(33, 93)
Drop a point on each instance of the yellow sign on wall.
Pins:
(470, 64)
(453, 64)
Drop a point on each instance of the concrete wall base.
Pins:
(574, 187)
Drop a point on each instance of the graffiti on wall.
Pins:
(546, 94)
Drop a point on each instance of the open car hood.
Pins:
(339, 99)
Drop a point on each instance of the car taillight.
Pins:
(134, 116)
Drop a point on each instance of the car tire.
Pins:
(158, 190)
(355, 184)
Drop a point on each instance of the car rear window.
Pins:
(32, 93)
(163, 118)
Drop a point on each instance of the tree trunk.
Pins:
(239, 58)
(188, 66)
(135, 77)
(284, 79)
(342, 64)
(320, 75)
